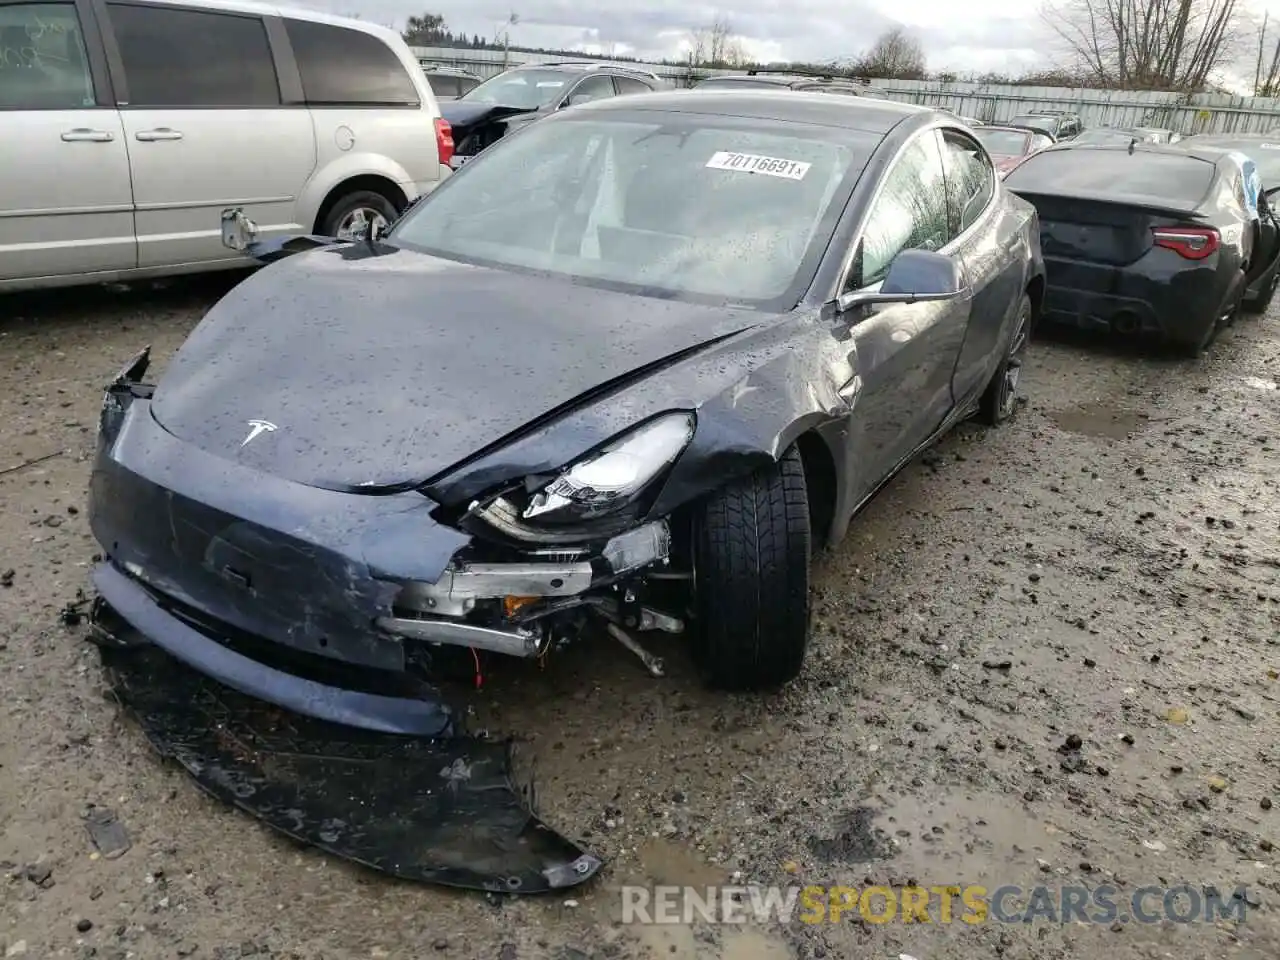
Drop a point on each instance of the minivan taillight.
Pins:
(444, 140)
(1193, 243)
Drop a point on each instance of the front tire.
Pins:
(752, 546)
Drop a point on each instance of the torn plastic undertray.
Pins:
(444, 811)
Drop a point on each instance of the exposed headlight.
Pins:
(614, 475)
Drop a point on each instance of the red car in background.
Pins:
(1008, 145)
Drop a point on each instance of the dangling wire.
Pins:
(479, 676)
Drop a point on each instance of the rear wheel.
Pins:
(1197, 345)
(752, 551)
(1001, 396)
(1193, 348)
(352, 213)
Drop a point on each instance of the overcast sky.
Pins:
(1005, 36)
(966, 35)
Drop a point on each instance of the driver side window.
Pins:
(909, 214)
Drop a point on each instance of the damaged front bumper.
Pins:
(321, 601)
(238, 618)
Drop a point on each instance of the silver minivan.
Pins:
(126, 126)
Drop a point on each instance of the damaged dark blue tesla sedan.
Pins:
(617, 375)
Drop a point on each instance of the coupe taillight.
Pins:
(444, 140)
(1191, 243)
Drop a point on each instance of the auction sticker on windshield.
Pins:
(754, 163)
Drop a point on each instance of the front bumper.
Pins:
(312, 599)
(130, 613)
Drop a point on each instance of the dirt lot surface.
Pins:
(1045, 656)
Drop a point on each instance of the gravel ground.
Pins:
(1046, 655)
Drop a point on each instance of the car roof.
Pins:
(867, 114)
(1009, 126)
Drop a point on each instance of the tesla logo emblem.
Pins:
(258, 427)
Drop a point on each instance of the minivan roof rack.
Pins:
(430, 67)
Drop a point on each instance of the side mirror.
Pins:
(915, 276)
(238, 231)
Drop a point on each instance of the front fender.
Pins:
(753, 394)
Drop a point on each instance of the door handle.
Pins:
(85, 135)
(159, 133)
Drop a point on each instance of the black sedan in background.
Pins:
(503, 104)
(620, 373)
(1142, 238)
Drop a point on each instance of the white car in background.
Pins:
(128, 125)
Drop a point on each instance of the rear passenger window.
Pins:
(42, 58)
(193, 58)
(971, 181)
(631, 85)
(348, 67)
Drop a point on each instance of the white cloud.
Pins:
(971, 35)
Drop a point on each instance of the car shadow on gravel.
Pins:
(20, 312)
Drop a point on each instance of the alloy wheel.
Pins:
(355, 224)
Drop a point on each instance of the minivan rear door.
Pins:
(66, 204)
(206, 126)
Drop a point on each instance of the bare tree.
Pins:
(896, 54)
(1267, 84)
(427, 30)
(1145, 44)
(716, 46)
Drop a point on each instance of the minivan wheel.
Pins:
(752, 552)
(350, 216)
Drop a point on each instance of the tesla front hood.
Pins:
(343, 371)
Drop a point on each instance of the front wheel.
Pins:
(1001, 396)
(751, 555)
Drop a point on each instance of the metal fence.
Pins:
(988, 102)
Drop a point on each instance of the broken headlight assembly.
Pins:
(597, 495)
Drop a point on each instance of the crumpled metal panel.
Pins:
(445, 811)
